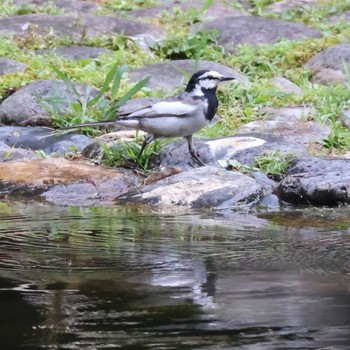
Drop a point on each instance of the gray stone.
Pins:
(45, 139)
(327, 66)
(252, 140)
(318, 181)
(254, 31)
(206, 187)
(218, 9)
(76, 52)
(286, 86)
(84, 7)
(285, 5)
(80, 27)
(344, 16)
(173, 71)
(11, 66)
(64, 182)
(345, 118)
(289, 113)
(25, 106)
(10, 154)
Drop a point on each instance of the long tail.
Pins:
(86, 125)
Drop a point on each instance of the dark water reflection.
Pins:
(114, 278)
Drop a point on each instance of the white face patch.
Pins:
(209, 80)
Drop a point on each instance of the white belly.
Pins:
(167, 126)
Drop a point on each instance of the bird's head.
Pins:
(205, 80)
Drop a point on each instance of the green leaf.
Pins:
(117, 79)
(66, 79)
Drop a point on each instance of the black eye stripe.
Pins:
(209, 77)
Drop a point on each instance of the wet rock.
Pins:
(254, 31)
(318, 181)
(76, 52)
(84, 26)
(205, 187)
(10, 154)
(25, 106)
(327, 66)
(84, 7)
(344, 16)
(47, 140)
(63, 182)
(286, 5)
(172, 70)
(11, 66)
(217, 10)
(286, 86)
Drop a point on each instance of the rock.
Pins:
(11, 66)
(25, 106)
(298, 133)
(344, 16)
(318, 181)
(68, 5)
(327, 66)
(205, 187)
(63, 182)
(286, 5)
(345, 118)
(84, 26)
(43, 139)
(289, 113)
(254, 31)
(251, 140)
(76, 52)
(216, 11)
(10, 154)
(175, 78)
(286, 86)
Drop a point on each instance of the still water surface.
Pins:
(116, 278)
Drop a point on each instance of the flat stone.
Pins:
(11, 66)
(253, 30)
(289, 113)
(286, 86)
(344, 16)
(216, 11)
(327, 66)
(44, 139)
(78, 6)
(173, 71)
(285, 5)
(25, 106)
(79, 27)
(318, 181)
(251, 140)
(206, 187)
(302, 133)
(76, 52)
(10, 154)
(63, 182)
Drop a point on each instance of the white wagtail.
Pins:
(177, 116)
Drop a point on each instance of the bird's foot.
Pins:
(195, 156)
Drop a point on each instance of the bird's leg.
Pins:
(148, 139)
(193, 150)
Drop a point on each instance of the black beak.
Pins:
(227, 78)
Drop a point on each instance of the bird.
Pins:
(181, 115)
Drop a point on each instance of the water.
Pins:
(116, 278)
